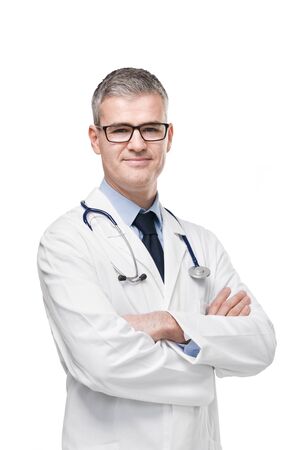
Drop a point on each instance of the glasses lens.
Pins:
(153, 131)
(120, 133)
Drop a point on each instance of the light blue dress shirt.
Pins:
(128, 211)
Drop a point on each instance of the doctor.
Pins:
(141, 357)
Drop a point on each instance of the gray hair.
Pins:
(126, 82)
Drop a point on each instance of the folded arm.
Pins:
(234, 338)
(161, 325)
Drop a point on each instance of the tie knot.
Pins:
(145, 222)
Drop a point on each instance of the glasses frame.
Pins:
(138, 127)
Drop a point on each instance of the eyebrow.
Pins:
(118, 124)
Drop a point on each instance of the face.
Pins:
(133, 167)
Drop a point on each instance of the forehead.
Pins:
(133, 109)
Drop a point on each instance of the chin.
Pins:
(139, 182)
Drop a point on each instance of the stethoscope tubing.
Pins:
(121, 276)
(96, 211)
(196, 271)
(187, 243)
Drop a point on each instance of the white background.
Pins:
(231, 69)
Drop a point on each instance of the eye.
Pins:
(151, 129)
(119, 130)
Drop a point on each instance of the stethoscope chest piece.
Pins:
(199, 272)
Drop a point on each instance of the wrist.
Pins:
(173, 330)
(168, 325)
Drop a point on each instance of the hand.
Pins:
(157, 324)
(237, 305)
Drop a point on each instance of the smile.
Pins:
(137, 161)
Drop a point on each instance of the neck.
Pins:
(143, 198)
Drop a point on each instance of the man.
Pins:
(141, 339)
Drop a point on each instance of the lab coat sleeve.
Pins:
(97, 346)
(240, 346)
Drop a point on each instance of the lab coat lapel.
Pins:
(117, 249)
(174, 251)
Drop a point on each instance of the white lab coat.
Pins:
(125, 392)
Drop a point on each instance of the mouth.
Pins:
(137, 162)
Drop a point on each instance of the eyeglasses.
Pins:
(150, 132)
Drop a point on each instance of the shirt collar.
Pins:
(127, 209)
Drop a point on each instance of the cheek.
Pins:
(162, 158)
(110, 158)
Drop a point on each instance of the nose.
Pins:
(136, 142)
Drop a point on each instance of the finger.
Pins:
(237, 309)
(219, 300)
(231, 303)
(245, 311)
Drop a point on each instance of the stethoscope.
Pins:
(196, 271)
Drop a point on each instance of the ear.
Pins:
(94, 138)
(170, 136)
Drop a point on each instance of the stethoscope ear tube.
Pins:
(142, 277)
(122, 278)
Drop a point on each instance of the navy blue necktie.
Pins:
(145, 223)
